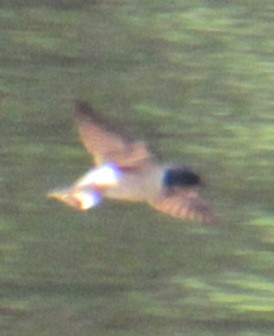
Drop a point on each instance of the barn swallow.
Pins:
(126, 170)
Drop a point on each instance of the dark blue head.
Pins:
(180, 177)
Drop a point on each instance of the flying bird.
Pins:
(126, 170)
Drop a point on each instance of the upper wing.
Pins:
(186, 203)
(104, 144)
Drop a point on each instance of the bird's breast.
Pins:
(140, 184)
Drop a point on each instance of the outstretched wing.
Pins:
(186, 203)
(104, 144)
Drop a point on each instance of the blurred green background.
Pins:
(195, 79)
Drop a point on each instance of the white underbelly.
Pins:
(142, 185)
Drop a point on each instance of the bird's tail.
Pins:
(78, 198)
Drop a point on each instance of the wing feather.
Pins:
(187, 204)
(104, 144)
